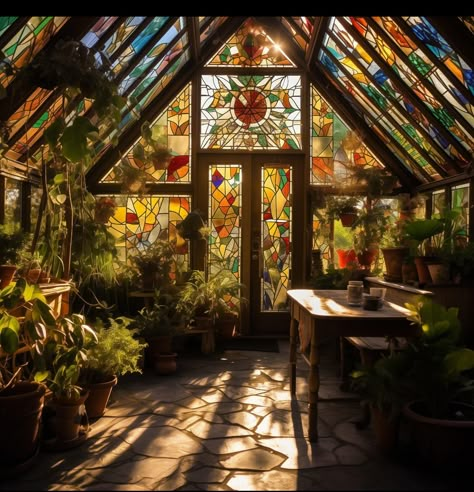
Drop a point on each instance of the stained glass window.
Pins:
(225, 195)
(28, 41)
(6, 22)
(12, 204)
(421, 91)
(334, 146)
(139, 221)
(276, 236)
(172, 133)
(460, 199)
(250, 46)
(251, 112)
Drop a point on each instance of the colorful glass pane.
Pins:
(301, 36)
(210, 28)
(425, 68)
(250, 46)
(460, 199)
(172, 133)
(28, 41)
(121, 34)
(276, 236)
(334, 146)
(152, 56)
(427, 34)
(251, 112)
(401, 120)
(139, 221)
(6, 22)
(135, 47)
(440, 112)
(468, 22)
(12, 219)
(225, 212)
(99, 28)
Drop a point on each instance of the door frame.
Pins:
(252, 321)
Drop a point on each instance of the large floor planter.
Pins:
(99, 394)
(20, 419)
(440, 442)
(165, 363)
(6, 275)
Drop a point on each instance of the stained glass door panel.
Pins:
(250, 216)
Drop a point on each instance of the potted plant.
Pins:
(381, 387)
(116, 352)
(439, 374)
(159, 323)
(344, 208)
(369, 230)
(154, 264)
(11, 245)
(25, 319)
(64, 356)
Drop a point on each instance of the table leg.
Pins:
(313, 387)
(293, 356)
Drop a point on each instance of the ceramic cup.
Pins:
(378, 292)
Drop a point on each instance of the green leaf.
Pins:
(10, 329)
(459, 361)
(53, 132)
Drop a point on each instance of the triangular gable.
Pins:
(250, 46)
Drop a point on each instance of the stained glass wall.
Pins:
(276, 236)
(225, 202)
(250, 112)
(334, 147)
(460, 199)
(172, 133)
(250, 46)
(139, 221)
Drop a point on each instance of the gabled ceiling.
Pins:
(405, 84)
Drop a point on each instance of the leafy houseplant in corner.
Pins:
(440, 377)
(21, 399)
(117, 352)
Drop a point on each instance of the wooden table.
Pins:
(318, 313)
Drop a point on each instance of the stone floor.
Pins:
(226, 421)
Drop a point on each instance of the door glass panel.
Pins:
(275, 236)
(225, 207)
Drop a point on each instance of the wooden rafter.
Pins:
(405, 28)
(130, 135)
(425, 81)
(403, 88)
(323, 83)
(193, 34)
(20, 88)
(456, 34)
(441, 171)
(319, 29)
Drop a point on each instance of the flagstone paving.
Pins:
(226, 421)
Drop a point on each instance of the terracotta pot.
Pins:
(6, 275)
(439, 442)
(165, 363)
(99, 394)
(348, 218)
(393, 258)
(439, 273)
(424, 276)
(367, 257)
(20, 409)
(69, 416)
(346, 257)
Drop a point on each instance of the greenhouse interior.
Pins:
(164, 326)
